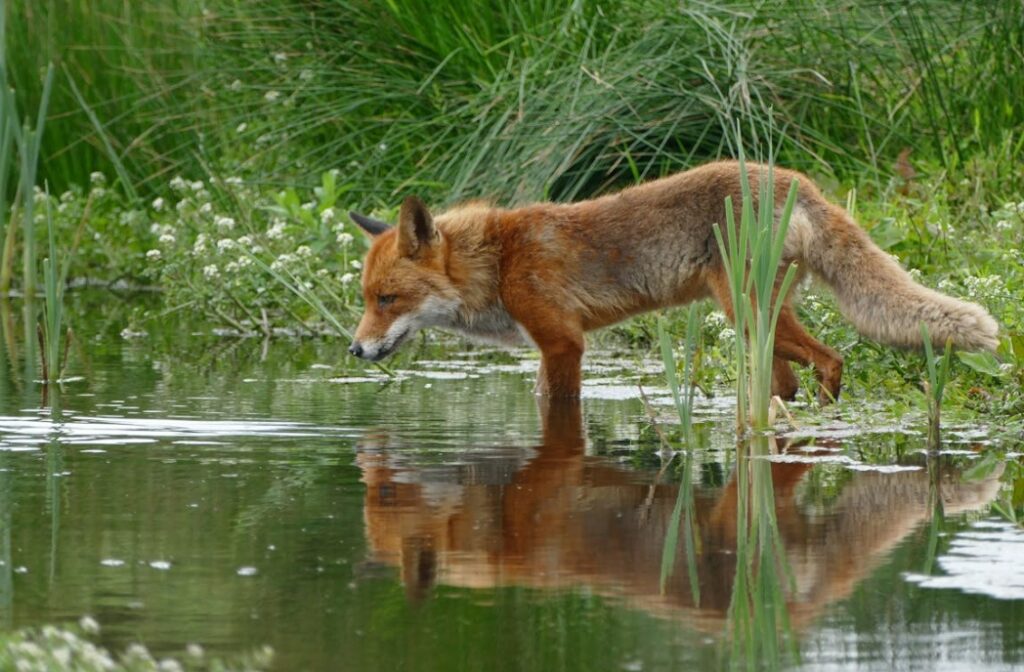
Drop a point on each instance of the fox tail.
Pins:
(877, 296)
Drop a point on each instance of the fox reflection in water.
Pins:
(558, 518)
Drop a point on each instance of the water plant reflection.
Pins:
(562, 519)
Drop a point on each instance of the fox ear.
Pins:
(416, 230)
(372, 227)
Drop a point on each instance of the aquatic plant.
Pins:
(684, 399)
(683, 512)
(759, 634)
(751, 252)
(934, 387)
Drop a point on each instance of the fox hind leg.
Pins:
(784, 382)
(794, 344)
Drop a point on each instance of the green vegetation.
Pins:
(209, 149)
(752, 253)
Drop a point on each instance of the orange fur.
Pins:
(547, 273)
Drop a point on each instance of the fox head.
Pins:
(406, 286)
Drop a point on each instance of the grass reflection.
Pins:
(759, 633)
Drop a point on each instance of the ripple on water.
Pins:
(984, 560)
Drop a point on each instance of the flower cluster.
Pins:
(239, 252)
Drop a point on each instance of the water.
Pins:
(234, 493)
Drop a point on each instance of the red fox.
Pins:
(545, 274)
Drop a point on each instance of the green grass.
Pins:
(513, 100)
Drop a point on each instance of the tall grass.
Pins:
(517, 99)
(137, 64)
(751, 252)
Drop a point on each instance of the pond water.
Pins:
(235, 493)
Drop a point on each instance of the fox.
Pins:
(547, 273)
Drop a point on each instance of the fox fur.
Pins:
(546, 273)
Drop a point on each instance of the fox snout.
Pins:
(356, 349)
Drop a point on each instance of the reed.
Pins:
(760, 634)
(53, 306)
(683, 398)
(751, 251)
(935, 386)
(682, 512)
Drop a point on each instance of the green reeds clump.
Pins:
(683, 398)
(682, 513)
(751, 251)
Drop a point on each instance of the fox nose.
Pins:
(356, 349)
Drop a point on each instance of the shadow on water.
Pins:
(758, 571)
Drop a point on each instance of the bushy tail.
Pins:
(880, 298)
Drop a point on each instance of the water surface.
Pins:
(235, 493)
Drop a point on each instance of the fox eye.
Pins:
(385, 300)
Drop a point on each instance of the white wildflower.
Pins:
(244, 262)
(235, 85)
(170, 665)
(211, 271)
(98, 192)
(322, 273)
(167, 239)
(224, 223)
(271, 96)
(197, 185)
(241, 127)
(153, 255)
(158, 204)
(280, 57)
(383, 146)
(276, 230)
(233, 181)
(203, 195)
(194, 650)
(205, 208)
(232, 267)
(345, 239)
(1004, 225)
(245, 241)
(727, 334)
(97, 178)
(181, 205)
(347, 278)
(178, 183)
(225, 244)
(306, 75)
(308, 207)
(200, 245)
(327, 215)
(303, 252)
(356, 264)
(67, 197)
(89, 625)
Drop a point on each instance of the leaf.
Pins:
(982, 362)
(887, 233)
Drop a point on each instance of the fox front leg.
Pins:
(559, 373)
